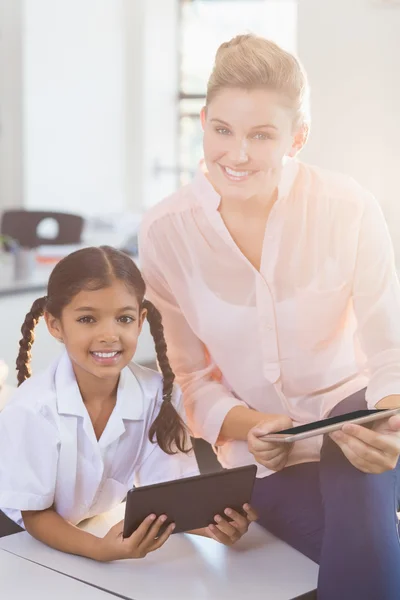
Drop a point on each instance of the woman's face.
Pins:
(247, 134)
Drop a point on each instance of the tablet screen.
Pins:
(325, 422)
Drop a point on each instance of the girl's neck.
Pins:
(96, 390)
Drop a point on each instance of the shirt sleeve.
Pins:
(157, 466)
(207, 401)
(376, 298)
(28, 459)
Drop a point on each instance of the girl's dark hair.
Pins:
(94, 269)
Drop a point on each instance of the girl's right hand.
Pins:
(273, 455)
(114, 546)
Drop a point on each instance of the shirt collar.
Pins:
(130, 401)
(130, 404)
(69, 399)
(207, 195)
(203, 188)
(289, 172)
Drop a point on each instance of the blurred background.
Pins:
(99, 115)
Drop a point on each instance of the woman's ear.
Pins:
(299, 139)
(203, 116)
(54, 326)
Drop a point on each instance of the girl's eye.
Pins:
(86, 320)
(126, 319)
(223, 131)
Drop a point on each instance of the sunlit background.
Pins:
(100, 101)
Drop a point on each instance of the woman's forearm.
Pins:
(54, 531)
(392, 401)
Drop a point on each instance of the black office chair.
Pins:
(22, 226)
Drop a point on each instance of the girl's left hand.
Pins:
(229, 532)
(374, 450)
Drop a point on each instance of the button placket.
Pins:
(268, 339)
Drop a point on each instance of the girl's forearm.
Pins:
(50, 528)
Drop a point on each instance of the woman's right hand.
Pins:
(272, 455)
(114, 546)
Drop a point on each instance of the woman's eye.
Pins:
(126, 319)
(261, 136)
(86, 320)
(223, 131)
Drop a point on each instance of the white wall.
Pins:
(351, 50)
(10, 104)
(88, 103)
(160, 88)
(152, 110)
(134, 16)
(74, 105)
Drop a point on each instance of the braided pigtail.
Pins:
(28, 337)
(168, 428)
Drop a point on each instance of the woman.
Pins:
(280, 301)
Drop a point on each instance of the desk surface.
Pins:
(23, 580)
(188, 566)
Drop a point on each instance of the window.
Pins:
(204, 25)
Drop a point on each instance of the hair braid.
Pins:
(168, 428)
(28, 337)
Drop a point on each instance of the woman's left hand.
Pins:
(374, 450)
(229, 532)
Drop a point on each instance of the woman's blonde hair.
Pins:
(253, 62)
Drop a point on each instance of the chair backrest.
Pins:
(22, 226)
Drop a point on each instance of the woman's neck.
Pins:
(257, 206)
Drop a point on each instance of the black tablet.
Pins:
(192, 502)
(361, 417)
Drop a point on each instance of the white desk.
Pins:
(259, 566)
(24, 580)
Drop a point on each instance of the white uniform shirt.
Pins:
(49, 454)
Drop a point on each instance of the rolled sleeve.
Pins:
(376, 298)
(28, 460)
(207, 401)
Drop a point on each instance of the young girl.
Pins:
(75, 438)
(280, 301)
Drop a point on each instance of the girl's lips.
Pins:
(106, 358)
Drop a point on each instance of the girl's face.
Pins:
(100, 330)
(247, 134)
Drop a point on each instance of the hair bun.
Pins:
(250, 61)
(238, 40)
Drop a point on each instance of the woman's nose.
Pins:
(238, 152)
